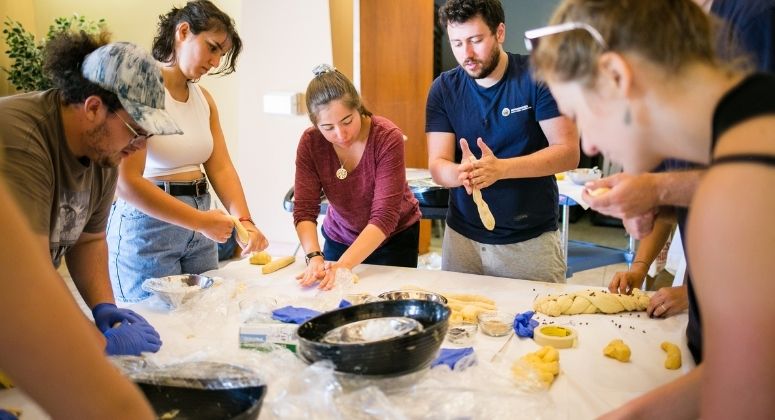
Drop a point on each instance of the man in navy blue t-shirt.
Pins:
(511, 125)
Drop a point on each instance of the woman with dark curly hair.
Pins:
(162, 223)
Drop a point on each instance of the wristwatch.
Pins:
(312, 255)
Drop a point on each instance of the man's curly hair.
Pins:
(62, 60)
(460, 11)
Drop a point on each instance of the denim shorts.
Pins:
(141, 247)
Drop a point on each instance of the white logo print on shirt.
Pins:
(506, 111)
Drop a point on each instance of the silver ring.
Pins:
(662, 305)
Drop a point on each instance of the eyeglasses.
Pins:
(532, 36)
(138, 137)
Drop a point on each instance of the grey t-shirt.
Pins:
(61, 194)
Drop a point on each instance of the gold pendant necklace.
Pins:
(341, 173)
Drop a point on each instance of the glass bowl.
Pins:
(496, 323)
(176, 290)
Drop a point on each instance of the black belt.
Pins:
(194, 188)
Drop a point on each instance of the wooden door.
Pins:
(396, 70)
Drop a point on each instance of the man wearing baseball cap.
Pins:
(62, 148)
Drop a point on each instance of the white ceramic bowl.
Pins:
(581, 176)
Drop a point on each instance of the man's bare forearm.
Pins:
(676, 188)
(87, 262)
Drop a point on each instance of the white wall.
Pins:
(135, 21)
(284, 40)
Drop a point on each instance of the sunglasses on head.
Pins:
(534, 35)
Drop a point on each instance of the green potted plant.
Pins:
(26, 71)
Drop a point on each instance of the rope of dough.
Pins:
(465, 307)
(242, 233)
(484, 210)
(591, 302)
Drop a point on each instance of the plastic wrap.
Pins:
(370, 330)
(192, 374)
(205, 330)
(479, 392)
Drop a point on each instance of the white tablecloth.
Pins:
(589, 383)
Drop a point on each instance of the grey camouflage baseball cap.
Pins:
(135, 77)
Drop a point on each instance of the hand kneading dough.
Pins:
(260, 258)
(544, 363)
(242, 233)
(616, 349)
(673, 360)
(591, 302)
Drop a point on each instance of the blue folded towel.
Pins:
(293, 315)
(451, 357)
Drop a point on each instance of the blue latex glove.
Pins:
(524, 324)
(132, 339)
(7, 415)
(450, 357)
(344, 303)
(293, 315)
(107, 314)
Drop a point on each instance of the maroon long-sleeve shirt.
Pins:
(375, 192)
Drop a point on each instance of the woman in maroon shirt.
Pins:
(357, 160)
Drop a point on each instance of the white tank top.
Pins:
(174, 154)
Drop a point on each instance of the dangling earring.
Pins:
(627, 116)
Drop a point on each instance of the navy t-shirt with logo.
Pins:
(506, 117)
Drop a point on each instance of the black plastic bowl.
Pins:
(393, 356)
(190, 403)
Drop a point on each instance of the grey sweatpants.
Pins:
(538, 259)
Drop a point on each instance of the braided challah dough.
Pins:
(591, 302)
